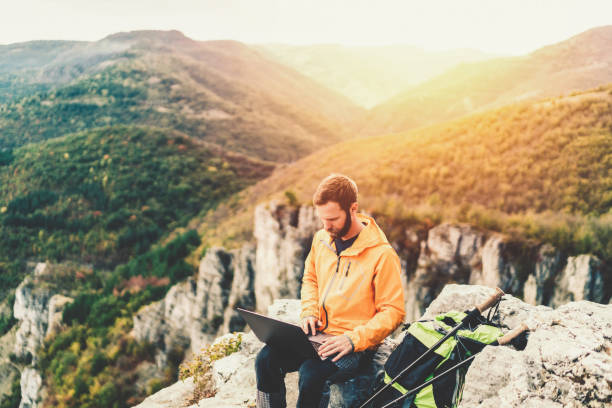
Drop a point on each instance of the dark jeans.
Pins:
(271, 366)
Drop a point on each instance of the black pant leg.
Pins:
(271, 365)
(313, 375)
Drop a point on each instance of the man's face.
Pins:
(334, 219)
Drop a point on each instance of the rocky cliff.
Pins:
(200, 309)
(38, 308)
(196, 311)
(567, 361)
(455, 253)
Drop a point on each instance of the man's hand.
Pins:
(337, 344)
(311, 322)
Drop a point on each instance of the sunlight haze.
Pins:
(516, 27)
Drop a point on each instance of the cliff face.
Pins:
(39, 312)
(283, 237)
(200, 309)
(454, 253)
(196, 311)
(566, 362)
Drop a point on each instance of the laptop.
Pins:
(282, 335)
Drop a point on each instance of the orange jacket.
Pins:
(358, 293)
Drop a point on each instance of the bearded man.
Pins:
(351, 290)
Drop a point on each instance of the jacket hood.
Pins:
(370, 236)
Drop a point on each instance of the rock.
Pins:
(546, 269)
(167, 323)
(173, 396)
(450, 254)
(39, 312)
(580, 280)
(242, 292)
(195, 311)
(202, 308)
(566, 362)
(235, 381)
(31, 382)
(497, 270)
(32, 310)
(57, 303)
(284, 235)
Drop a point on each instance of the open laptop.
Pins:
(283, 335)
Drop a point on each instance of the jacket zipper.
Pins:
(331, 283)
(327, 292)
(344, 277)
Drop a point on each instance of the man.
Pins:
(351, 289)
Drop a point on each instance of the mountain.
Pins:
(368, 75)
(106, 195)
(218, 91)
(534, 169)
(579, 63)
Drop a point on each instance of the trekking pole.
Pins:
(505, 339)
(476, 311)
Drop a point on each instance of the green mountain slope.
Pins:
(220, 91)
(106, 195)
(541, 170)
(579, 63)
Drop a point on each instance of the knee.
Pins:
(310, 375)
(262, 361)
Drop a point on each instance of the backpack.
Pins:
(422, 335)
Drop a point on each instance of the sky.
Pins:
(511, 27)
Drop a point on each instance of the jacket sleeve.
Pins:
(388, 301)
(310, 291)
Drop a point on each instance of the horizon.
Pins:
(438, 26)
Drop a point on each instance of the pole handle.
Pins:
(491, 301)
(507, 338)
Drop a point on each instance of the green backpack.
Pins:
(422, 335)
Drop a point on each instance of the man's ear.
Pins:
(354, 207)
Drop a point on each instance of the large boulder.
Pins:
(567, 361)
(234, 376)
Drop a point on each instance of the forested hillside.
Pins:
(218, 91)
(579, 63)
(540, 170)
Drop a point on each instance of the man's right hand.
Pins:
(311, 323)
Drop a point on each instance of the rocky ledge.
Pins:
(567, 361)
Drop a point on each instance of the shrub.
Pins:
(201, 367)
(291, 198)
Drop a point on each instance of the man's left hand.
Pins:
(337, 344)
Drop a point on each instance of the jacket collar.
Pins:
(370, 236)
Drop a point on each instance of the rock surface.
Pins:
(581, 279)
(567, 361)
(458, 253)
(200, 309)
(283, 235)
(196, 311)
(31, 382)
(234, 375)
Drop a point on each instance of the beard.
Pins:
(334, 233)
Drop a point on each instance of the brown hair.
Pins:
(338, 188)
